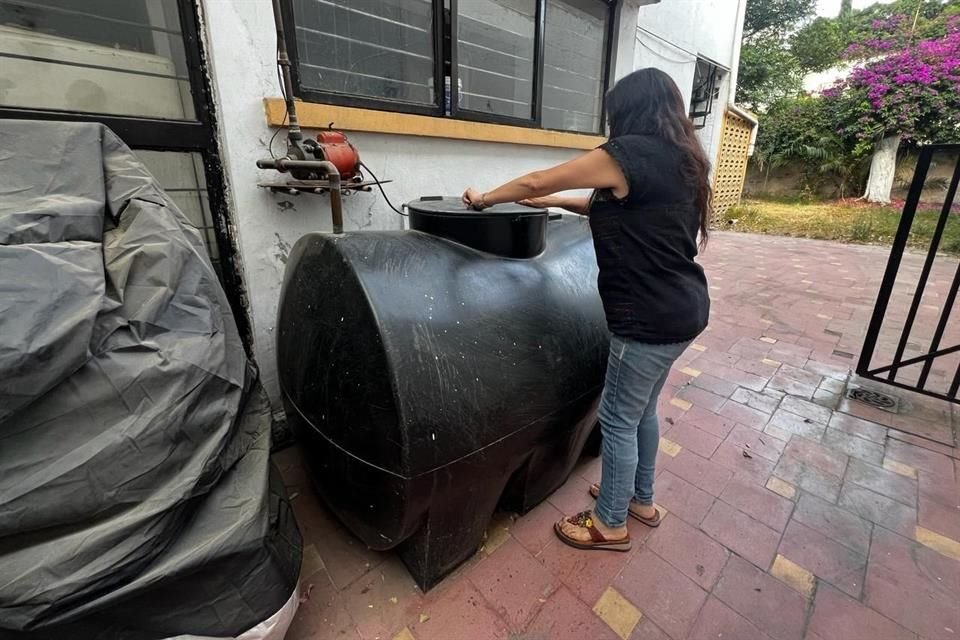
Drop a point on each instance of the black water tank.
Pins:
(429, 381)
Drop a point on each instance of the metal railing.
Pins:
(892, 372)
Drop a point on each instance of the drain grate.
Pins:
(874, 399)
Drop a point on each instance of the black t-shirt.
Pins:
(652, 289)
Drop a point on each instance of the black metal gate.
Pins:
(918, 362)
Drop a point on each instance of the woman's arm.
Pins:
(573, 204)
(593, 170)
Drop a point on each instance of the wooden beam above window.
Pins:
(319, 116)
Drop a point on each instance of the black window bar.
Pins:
(447, 94)
(889, 373)
(705, 90)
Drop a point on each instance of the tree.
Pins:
(876, 30)
(882, 28)
(911, 94)
(768, 71)
(800, 131)
(764, 17)
(818, 45)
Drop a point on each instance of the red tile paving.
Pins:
(741, 534)
(767, 603)
(839, 617)
(924, 459)
(784, 424)
(887, 483)
(691, 551)
(860, 488)
(828, 560)
(382, 600)
(514, 584)
(758, 502)
(682, 499)
(879, 509)
(587, 576)
(565, 616)
(646, 630)
(808, 477)
(853, 446)
(767, 402)
(717, 620)
(940, 505)
(834, 522)
(756, 443)
(709, 421)
(662, 593)
(741, 460)
(458, 609)
(705, 474)
(813, 453)
(696, 440)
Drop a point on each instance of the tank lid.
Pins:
(508, 230)
(455, 207)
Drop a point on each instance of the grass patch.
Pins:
(842, 221)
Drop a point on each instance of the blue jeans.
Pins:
(636, 373)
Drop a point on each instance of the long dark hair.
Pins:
(648, 102)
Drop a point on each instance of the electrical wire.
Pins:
(382, 192)
(663, 57)
(283, 92)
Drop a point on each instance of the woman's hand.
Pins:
(474, 199)
(544, 202)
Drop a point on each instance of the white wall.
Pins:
(701, 27)
(672, 34)
(241, 45)
(818, 81)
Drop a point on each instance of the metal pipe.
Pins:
(294, 136)
(333, 180)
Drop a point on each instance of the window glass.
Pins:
(182, 177)
(96, 56)
(370, 48)
(573, 68)
(495, 56)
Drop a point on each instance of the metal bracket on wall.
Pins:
(318, 187)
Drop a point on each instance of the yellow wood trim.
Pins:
(318, 116)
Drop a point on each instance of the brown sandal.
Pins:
(650, 522)
(584, 519)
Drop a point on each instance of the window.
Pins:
(538, 63)
(496, 44)
(98, 56)
(706, 89)
(137, 67)
(375, 49)
(574, 69)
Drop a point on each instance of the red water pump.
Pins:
(334, 147)
(329, 164)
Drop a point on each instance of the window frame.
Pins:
(441, 32)
(712, 83)
(198, 135)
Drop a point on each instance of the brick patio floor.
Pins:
(793, 513)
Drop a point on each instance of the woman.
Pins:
(651, 198)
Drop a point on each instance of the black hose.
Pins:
(382, 192)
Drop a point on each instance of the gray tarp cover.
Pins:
(136, 496)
